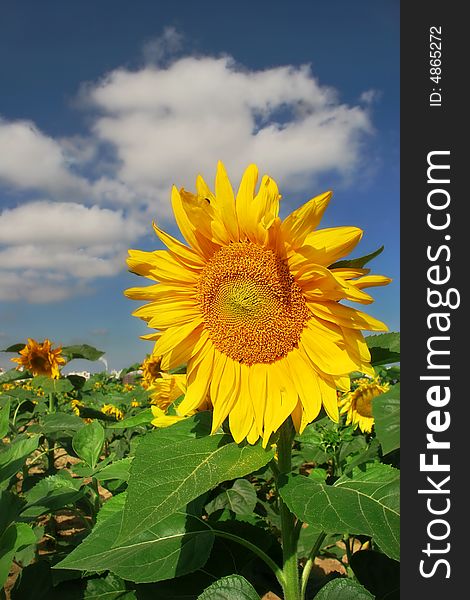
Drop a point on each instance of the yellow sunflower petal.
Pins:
(304, 220)
(226, 202)
(224, 388)
(176, 341)
(346, 316)
(198, 379)
(328, 356)
(326, 246)
(179, 250)
(371, 281)
(245, 196)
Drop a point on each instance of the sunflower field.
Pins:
(255, 451)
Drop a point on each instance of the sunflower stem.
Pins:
(264, 557)
(310, 562)
(51, 402)
(291, 585)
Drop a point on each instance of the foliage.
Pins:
(94, 506)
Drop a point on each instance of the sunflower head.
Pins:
(252, 306)
(166, 389)
(41, 359)
(357, 403)
(114, 411)
(151, 370)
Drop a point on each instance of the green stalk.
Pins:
(310, 562)
(291, 585)
(51, 402)
(267, 559)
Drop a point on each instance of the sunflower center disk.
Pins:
(253, 309)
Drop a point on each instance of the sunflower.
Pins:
(251, 304)
(114, 411)
(150, 370)
(166, 389)
(41, 359)
(358, 403)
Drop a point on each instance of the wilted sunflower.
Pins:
(252, 305)
(150, 370)
(41, 359)
(358, 403)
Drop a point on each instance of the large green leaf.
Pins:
(384, 348)
(116, 470)
(52, 386)
(110, 587)
(365, 501)
(5, 418)
(386, 411)
(378, 573)
(179, 544)
(83, 351)
(143, 418)
(10, 508)
(357, 263)
(233, 587)
(52, 493)
(240, 499)
(14, 455)
(172, 466)
(15, 537)
(13, 375)
(88, 441)
(343, 589)
(60, 423)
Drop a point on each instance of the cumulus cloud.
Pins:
(162, 48)
(150, 128)
(32, 160)
(52, 250)
(168, 124)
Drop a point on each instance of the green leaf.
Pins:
(81, 351)
(240, 498)
(33, 583)
(343, 589)
(363, 502)
(52, 386)
(15, 347)
(378, 573)
(111, 507)
(116, 470)
(10, 508)
(386, 411)
(171, 467)
(13, 375)
(233, 587)
(143, 418)
(179, 544)
(14, 455)
(88, 442)
(15, 537)
(110, 587)
(384, 348)
(52, 493)
(5, 418)
(61, 423)
(357, 263)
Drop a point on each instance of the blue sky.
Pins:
(106, 104)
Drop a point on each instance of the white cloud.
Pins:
(53, 250)
(161, 48)
(149, 128)
(32, 160)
